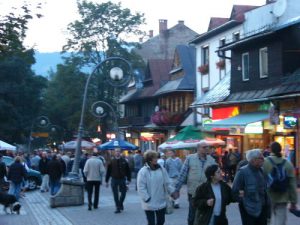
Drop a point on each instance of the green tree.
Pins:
(99, 26)
(68, 81)
(20, 89)
(102, 32)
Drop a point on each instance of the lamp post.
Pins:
(72, 190)
(40, 121)
(120, 73)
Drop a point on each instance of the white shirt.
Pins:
(218, 198)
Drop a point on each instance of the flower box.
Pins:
(221, 64)
(203, 69)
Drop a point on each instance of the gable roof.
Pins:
(238, 12)
(187, 82)
(157, 72)
(236, 18)
(216, 22)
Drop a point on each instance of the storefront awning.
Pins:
(241, 120)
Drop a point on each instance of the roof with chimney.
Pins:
(186, 81)
(162, 46)
(157, 72)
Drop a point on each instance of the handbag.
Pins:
(169, 208)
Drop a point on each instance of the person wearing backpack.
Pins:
(282, 187)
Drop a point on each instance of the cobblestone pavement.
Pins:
(36, 211)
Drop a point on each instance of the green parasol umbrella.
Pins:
(190, 137)
(189, 133)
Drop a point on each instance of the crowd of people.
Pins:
(212, 182)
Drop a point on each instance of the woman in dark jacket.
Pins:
(16, 174)
(211, 199)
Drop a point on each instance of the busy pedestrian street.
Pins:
(121, 112)
(36, 211)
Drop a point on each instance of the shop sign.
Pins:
(290, 122)
(254, 128)
(264, 107)
(40, 134)
(145, 136)
(224, 113)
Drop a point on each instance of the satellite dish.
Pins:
(279, 8)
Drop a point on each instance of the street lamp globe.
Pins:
(99, 110)
(116, 73)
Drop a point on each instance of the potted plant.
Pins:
(203, 69)
(220, 64)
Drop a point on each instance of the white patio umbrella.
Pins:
(5, 146)
(84, 144)
(190, 143)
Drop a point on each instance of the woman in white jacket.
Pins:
(153, 184)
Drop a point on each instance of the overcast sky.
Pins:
(48, 33)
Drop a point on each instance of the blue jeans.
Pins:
(14, 189)
(119, 185)
(54, 186)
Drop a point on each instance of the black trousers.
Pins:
(156, 217)
(90, 185)
(192, 210)
(119, 185)
(247, 219)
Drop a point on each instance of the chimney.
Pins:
(150, 33)
(181, 22)
(163, 26)
(141, 40)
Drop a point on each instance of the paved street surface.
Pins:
(36, 211)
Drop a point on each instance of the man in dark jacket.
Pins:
(249, 189)
(43, 168)
(118, 170)
(16, 174)
(55, 171)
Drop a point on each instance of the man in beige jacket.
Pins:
(93, 171)
(193, 173)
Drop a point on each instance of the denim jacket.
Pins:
(255, 197)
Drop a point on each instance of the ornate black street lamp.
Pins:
(120, 74)
(72, 190)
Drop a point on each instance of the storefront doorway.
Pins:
(287, 143)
